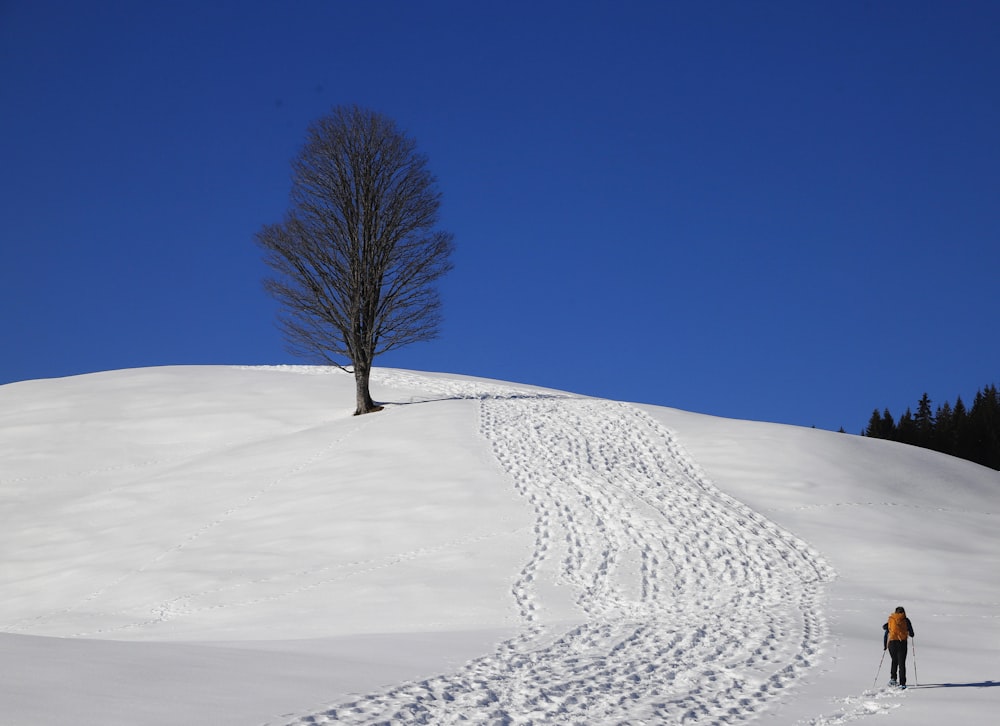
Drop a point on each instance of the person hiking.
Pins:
(897, 628)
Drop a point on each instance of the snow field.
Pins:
(225, 546)
(686, 605)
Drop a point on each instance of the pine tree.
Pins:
(944, 429)
(924, 422)
(874, 429)
(983, 437)
(906, 429)
(960, 422)
(888, 425)
(993, 428)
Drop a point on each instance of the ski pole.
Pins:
(880, 669)
(916, 678)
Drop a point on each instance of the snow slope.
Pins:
(211, 545)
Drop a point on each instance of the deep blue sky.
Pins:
(783, 211)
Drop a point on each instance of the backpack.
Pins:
(898, 627)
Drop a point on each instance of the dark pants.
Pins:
(897, 651)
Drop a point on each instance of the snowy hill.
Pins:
(211, 545)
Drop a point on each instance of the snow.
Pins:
(228, 545)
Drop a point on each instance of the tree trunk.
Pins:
(364, 398)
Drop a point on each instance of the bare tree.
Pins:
(357, 255)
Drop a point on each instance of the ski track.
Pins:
(691, 607)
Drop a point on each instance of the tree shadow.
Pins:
(422, 399)
(983, 684)
(472, 397)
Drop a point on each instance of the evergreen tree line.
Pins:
(972, 434)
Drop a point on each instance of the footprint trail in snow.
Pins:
(649, 596)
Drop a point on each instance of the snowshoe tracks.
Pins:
(679, 591)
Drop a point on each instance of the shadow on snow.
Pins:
(983, 684)
(473, 397)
